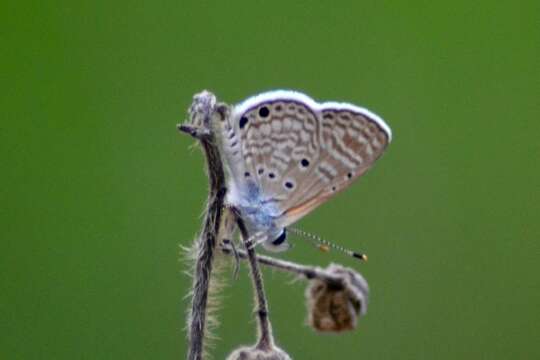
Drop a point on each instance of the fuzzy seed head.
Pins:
(334, 306)
(252, 353)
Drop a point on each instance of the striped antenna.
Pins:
(325, 245)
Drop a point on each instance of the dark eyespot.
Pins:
(264, 112)
(246, 174)
(328, 116)
(280, 239)
(289, 185)
(271, 175)
(349, 175)
(243, 122)
(304, 162)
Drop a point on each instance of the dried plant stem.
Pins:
(309, 272)
(198, 126)
(203, 111)
(266, 340)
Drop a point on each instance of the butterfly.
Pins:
(285, 154)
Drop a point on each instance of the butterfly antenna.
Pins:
(325, 245)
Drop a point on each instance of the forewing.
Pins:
(278, 136)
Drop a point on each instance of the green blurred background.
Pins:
(98, 189)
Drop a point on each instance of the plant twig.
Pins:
(336, 296)
(199, 126)
(309, 272)
(266, 339)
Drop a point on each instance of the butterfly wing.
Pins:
(299, 152)
(352, 140)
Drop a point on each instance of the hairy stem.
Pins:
(198, 126)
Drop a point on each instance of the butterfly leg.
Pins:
(252, 240)
(229, 247)
(256, 239)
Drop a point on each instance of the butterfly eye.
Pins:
(349, 175)
(280, 239)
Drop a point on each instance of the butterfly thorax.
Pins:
(258, 213)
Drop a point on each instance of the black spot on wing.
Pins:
(243, 122)
(264, 112)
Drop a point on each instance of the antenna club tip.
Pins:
(362, 257)
(324, 248)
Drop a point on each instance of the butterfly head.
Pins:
(277, 241)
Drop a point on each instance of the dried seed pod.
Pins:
(335, 302)
(252, 353)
